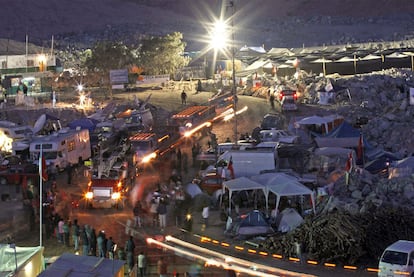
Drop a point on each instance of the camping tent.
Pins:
(342, 136)
(402, 168)
(250, 225)
(288, 220)
(192, 189)
(240, 184)
(282, 184)
(84, 123)
(20, 261)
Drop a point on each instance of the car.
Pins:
(211, 182)
(287, 98)
(272, 120)
(276, 135)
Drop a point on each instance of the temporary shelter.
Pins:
(71, 265)
(345, 135)
(250, 225)
(84, 123)
(288, 220)
(192, 189)
(240, 184)
(20, 261)
(402, 168)
(282, 184)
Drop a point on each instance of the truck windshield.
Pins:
(142, 145)
(50, 155)
(394, 257)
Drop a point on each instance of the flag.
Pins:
(230, 167)
(360, 150)
(42, 167)
(348, 165)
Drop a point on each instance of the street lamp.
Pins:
(219, 40)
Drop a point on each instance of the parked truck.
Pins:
(244, 163)
(63, 148)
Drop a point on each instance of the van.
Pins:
(397, 259)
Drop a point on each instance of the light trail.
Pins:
(228, 261)
(210, 261)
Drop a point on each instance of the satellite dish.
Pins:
(40, 122)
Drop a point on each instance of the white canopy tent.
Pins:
(282, 184)
(240, 184)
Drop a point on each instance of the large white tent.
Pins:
(282, 184)
(240, 184)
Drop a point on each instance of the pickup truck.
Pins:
(277, 135)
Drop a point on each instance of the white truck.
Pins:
(62, 148)
(246, 163)
(277, 135)
(397, 259)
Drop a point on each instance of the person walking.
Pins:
(272, 101)
(162, 267)
(142, 264)
(129, 249)
(183, 98)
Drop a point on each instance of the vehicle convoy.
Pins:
(397, 259)
(63, 148)
(146, 146)
(193, 119)
(109, 179)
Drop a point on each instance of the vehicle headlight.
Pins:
(89, 195)
(116, 195)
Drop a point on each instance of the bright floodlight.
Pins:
(80, 88)
(219, 35)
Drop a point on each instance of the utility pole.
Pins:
(233, 54)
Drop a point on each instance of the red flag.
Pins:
(230, 167)
(42, 168)
(348, 165)
(360, 148)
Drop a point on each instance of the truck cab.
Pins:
(397, 259)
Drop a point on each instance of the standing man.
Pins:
(142, 264)
(129, 249)
(183, 98)
(75, 234)
(162, 213)
(162, 267)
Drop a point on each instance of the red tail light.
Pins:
(281, 96)
(295, 96)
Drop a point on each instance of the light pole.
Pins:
(234, 88)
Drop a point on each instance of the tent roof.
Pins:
(269, 179)
(71, 265)
(9, 260)
(242, 183)
(288, 189)
(345, 135)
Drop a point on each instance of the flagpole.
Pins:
(41, 196)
